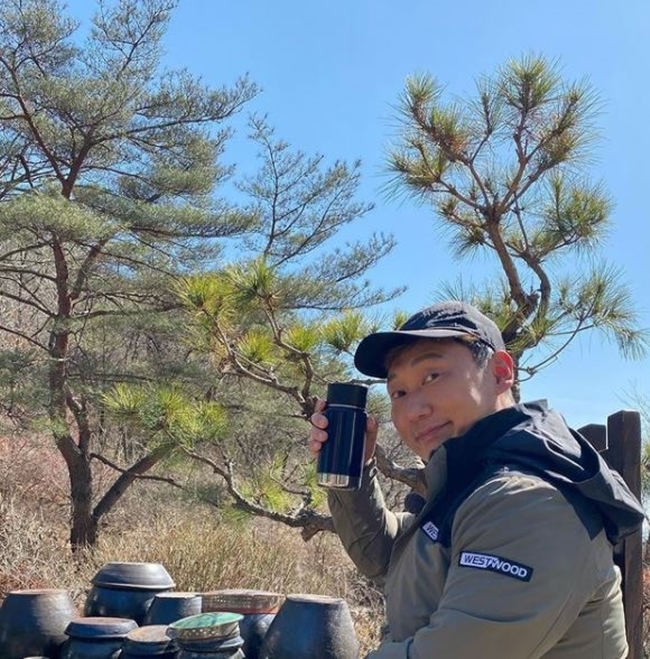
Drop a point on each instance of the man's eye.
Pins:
(430, 377)
(398, 393)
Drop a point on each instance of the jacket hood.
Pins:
(533, 437)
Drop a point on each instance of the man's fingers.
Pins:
(318, 433)
(318, 436)
(318, 420)
(315, 441)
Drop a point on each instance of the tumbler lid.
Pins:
(346, 393)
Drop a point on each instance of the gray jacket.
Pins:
(510, 558)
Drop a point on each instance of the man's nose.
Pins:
(418, 405)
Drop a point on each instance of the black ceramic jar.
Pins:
(96, 637)
(314, 626)
(126, 590)
(33, 622)
(171, 606)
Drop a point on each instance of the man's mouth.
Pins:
(432, 432)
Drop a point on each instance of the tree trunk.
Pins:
(516, 387)
(83, 525)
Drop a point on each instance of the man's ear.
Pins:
(503, 368)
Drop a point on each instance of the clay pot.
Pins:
(212, 635)
(118, 603)
(150, 641)
(314, 626)
(253, 628)
(33, 622)
(170, 607)
(258, 608)
(126, 590)
(96, 637)
(230, 648)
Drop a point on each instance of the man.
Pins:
(511, 556)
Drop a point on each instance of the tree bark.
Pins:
(83, 525)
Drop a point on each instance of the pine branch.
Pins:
(309, 521)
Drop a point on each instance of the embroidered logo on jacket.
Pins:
(495, 564)
(431, 530)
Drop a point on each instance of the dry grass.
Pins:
(200, 553)
(201, 550)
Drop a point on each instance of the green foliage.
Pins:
(399, 319)
(345, 331)
(254, 284)
(302, 203)
(165, 416)
(202, 292)
(267, 487)
(257, 346)
(575, 214)
(46, 210)
(286, 316)
(304, 337)
(20, 395)
(318, 494)
(502, 169)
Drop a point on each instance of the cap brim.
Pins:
(370, 355)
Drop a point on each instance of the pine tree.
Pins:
(505, 173)
(108, 168)
(111, 230)
(281, 322)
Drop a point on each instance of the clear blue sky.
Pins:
(331, 73)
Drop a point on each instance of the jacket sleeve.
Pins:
(364, 524)
(486, 612)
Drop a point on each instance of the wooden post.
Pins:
(624, 455)
(596, 435)
(619, 442)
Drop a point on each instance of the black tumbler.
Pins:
(340, 461)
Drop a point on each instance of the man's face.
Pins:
(438, 391)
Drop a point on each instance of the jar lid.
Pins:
(100, 627)
(177, 595)
(321, 600)
(206, 626)
(134, 576)
(151, 639)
